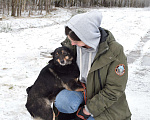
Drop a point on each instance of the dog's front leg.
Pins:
(79, 87)
(66, 86)
(75, 86)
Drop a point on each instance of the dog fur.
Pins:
(61, 73)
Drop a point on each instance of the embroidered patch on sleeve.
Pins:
(120, 69)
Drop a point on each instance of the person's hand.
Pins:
(82, 113)
(85, 112)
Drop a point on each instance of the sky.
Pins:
(26, 44)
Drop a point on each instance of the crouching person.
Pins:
(103, 71)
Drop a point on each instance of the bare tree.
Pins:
(13, 12)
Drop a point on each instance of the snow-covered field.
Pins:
(25, 44)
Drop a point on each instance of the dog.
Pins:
(61, 73)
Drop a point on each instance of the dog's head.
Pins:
(62, 56)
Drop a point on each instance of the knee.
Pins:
(67, 104)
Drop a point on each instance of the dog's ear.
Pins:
(52, 53)
(28, 89)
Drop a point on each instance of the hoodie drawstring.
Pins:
(90, 60)
(80, 63)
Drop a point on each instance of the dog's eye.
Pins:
(65, 53)
(56, 54)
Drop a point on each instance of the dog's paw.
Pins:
(79, 89)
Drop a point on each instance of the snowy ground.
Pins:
(26, 43)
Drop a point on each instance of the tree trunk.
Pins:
(46, 6)
(13, 12)
(4, 6)
(21, 1)
(29, 4)
(8, 7)
(18, 4)
(41, 6)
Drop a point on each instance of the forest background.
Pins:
(17, 7)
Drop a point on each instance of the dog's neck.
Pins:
(63, 69)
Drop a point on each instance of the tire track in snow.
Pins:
(138, 83)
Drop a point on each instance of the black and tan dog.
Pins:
(61, 73)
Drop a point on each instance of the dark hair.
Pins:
(69, 32)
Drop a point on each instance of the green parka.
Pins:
(106, 98)
(107, 101)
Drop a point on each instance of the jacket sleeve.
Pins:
(114, 87)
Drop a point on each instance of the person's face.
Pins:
(78, 43)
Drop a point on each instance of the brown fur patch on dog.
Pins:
(66, 86)
(58, 61)
(66, 57)
(80, 89)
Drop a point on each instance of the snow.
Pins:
(26, 43)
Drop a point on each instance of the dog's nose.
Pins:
(62, 61)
